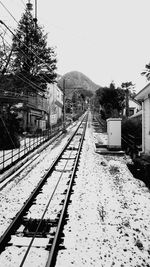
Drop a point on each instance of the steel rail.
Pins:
(65, 202)
(101, 122)
(49, 201)
(6, 235)
(52, 255)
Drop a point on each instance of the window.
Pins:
(131, 111)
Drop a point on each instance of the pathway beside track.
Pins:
(108, 218)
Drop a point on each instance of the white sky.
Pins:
(104, 39)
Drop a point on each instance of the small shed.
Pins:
(114, 133)
(144, 96)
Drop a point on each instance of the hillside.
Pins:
(75, 79)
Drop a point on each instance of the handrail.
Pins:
(28, 144)
(131, 144)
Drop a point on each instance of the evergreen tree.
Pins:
(5, 56)
(32, 57)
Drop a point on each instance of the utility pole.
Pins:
(29, 5)
(35, 18)
(64, 112)
(29, 9)
(127, 102)
(35, 34)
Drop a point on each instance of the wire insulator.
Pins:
(29, 6)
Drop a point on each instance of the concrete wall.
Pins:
(146, 126)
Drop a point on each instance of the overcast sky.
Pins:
(104, 39)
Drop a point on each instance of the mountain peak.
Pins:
(77, 80)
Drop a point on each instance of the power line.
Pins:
(23, 3)
(8, 11)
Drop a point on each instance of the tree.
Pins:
(111, 100)
(146, 72)
(33, 64)
(128, 86)
(5, 55)
(10, 129)
(75, 97)
(32, 57)
(85, 93)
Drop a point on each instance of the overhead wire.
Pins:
(8, 11)
(23, 3)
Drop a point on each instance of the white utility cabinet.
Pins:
(114, 133)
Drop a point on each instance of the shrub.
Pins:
(9, 129)
(133, 126)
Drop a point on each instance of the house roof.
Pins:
(144, 93)
(135, 101)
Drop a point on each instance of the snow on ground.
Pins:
(109, 216)
(12, 257)
(109, 222)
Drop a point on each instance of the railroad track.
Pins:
(99, 123)
(35, 233)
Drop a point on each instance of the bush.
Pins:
(132, 126)
(9, 129)
(38, 131)
(59, 121)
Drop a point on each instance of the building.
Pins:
(134, 107)
(55, 103)
(36, 109)
(35, 112)
(144, 96)
(32, 107)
